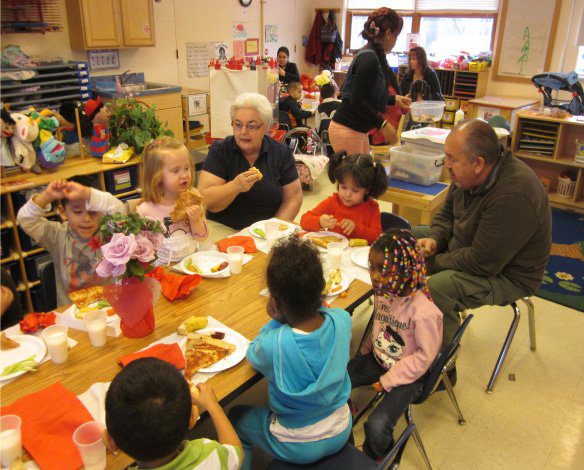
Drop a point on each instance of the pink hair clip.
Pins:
(373, 27)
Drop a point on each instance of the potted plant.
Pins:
(135, 124)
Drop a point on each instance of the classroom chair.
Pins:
(350, 458)
(48, 287)
(284, 121)
(390, 220)
(435, 375)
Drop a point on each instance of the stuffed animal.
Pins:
(98, 115)
(7, 132)
(26, 131)
(50, 151)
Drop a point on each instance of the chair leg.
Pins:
(366, 334)
(369, 405)
(417, 438)
(505, 348)
(531, 317)
(446, 381)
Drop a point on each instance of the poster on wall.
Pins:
(198, 55)
(252, 47)
(221, 51)
(271, 33)
(238, 32)
(239, 49)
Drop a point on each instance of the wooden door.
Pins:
(100, 24)
(138, 22)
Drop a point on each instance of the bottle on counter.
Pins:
(458, 116)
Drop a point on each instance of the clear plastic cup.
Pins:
(87, 438)
(95, 322)
(235, 256)
(272, 227)
(335, 254)
(55, 337)
(10, 439)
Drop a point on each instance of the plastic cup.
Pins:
(235, 256)
(87, 438)
(95, 322)
(10, 439)
(272, 227)
(55, 337)
(335, 255)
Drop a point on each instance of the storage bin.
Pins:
(122, 180)
(451, 104)
(5, 242)
(32, 264)
(566, 187)
(448, 117)
(414, 165)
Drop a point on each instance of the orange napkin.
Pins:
(241, 240)
(170, 353)
(175, 286)
(49, 419)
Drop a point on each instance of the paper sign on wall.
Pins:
(198, 55)
(221, 51)
(252, 47)
(271, 34)
(238, 31)
(239, 49)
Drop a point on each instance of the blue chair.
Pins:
(349, 458)
(389, 221)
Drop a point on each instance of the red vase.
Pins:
(133, 301)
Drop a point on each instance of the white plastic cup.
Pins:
(55, 337)
(235, 256)
(87, 438)
(10, 439)
(335, 254)
(272, 227)
(95, 322)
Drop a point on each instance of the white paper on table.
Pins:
(246, 259)
(94, 400)
(69, 319)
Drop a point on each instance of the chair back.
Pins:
(431, 377)
(284, 121)
(389, 221)
(49, 286)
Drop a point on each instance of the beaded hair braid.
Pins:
(404, 265)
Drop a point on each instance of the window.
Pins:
(580, 62)
(442, 36)
(357, 42)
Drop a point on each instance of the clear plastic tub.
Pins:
(414, 165)
(427, 111)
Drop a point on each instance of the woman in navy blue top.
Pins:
(420, 70)
(237, 195)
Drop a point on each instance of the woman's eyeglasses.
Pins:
(251, 126)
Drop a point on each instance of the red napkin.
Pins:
(49, 419)
(246, 242)
(170, 353)
(175, 286)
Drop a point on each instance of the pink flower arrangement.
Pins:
(128, 245)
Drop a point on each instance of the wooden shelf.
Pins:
(557, 161)
(36, 251)
(13, 257)
(7, 224)
(129, 193)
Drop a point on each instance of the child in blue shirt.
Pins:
(303, 352)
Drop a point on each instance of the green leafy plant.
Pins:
(134, 124)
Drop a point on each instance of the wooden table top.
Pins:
(234, 301)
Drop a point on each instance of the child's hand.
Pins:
(377, 387)
(56, 190)
(428, 246)
(76, 192)
(246, 180)
(194, 213)
(348, 226)
(203, 395)
(327, 221)
(272, 311)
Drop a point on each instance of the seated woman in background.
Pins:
(249, 176)
(287, 70)
(420, 70)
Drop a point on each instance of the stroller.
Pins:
(549, 81)
(307, 148)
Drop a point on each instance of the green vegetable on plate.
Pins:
(26, 365)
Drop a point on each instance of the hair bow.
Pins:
(373, 27)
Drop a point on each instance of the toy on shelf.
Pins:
(26, 131)
(7, 132)
(98, 115)
(50, 151)
(74, 125)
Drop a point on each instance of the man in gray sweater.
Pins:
(490, 242)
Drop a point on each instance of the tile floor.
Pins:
(535, 421)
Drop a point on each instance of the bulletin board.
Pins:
(525, 41)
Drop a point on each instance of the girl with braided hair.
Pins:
(405, 339)
(365, 94)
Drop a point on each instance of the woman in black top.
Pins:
(365, 93)
(420, 70)
(287, 70)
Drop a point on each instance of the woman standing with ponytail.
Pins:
(365, 92)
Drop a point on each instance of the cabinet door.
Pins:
(172, 119)
(138, 22)
(100, 24)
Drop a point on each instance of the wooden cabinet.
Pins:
(19, 253)
(505, 106)
(99, 24)
(548, 146)
(459, 86)
(195, 109)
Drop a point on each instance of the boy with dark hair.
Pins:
(327, 107)
(291, 105)
(303, 353)
(149, 409)
(69, 243)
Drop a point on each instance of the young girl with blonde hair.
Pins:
(167, 172)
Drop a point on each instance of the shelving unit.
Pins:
(548, 146)
(195, 107)
(17, 250)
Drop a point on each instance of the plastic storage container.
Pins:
(415, 165)
(427, 111)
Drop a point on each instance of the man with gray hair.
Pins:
(490, 242)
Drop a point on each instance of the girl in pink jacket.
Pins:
(406, 335)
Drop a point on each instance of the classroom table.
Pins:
(234, 301)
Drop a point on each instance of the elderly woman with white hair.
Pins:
(236, 194)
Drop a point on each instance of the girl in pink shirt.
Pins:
(352, 210)
(405, 339)
(167, 172)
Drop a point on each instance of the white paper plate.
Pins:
(233, 359)
(342, 238)
(73, 310)
(262, 226)
(29, 345)
(345, 283)
(206, 260)
(361, 256)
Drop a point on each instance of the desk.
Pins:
(418, 208)
(234, 301)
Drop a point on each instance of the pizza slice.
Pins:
(204, 351)
(83, 297)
